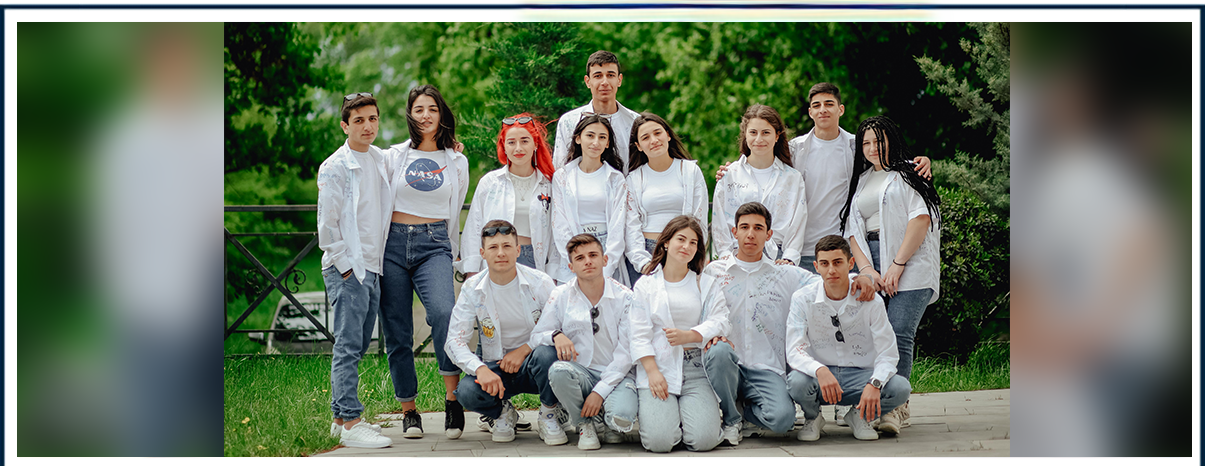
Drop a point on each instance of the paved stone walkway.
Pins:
(943, 424)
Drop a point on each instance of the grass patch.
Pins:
(987, 368)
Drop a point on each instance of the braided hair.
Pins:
(893, 156)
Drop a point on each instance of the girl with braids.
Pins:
(520, 192)
(764, 174)
(589, 195)
(429, 178)
(892, 213)
(663, 182)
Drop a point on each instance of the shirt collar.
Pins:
(519, 275)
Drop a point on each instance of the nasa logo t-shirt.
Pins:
(426, 192)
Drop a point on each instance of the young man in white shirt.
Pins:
(586, 320)
(354, 203)
(507, 301)
(603, 78)
(749, 365)
(841, 351)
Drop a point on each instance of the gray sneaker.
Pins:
(862, 429)
(839, 416)
(810, 432)
(732, 434)
(504, 426)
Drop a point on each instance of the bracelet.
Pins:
(899, 264)
(863, 268)
(554, 334)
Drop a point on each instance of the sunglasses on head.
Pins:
(358, 94)
(520, 120)
(503, 230)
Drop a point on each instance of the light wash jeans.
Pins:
(354, 303)
(418, 258)
(532, 377)
(634, 274)
(573, 382)
(527, 256)
(805, 389)
(763, 392)
(904, 311)
(693, 417)
(806, 263)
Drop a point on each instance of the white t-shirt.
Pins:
(663, 196)
(525, 186)
(426, 192)
(604, 346)
(591, 196)
(826, 173)
(368, 211)
(868, 199)
(763, 176)
(515, 323)
(685, 303)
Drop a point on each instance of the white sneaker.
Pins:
(732, 434)
(335, 428)
(504, 426)
(549, 427)
(905, 415)
(890, 422)
(861, 428)
(362, 436)
(750, 429)
(609, 435)
(810, 432)
(587, 439)
(839, 416)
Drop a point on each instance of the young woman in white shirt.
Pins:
(764, 174)
(664, 181)
(674, 310)
(520, 192)
(892, 213)
(589, 195)
(429, 180)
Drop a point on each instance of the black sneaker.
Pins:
(412, 424)
(486, 424)
(453, 419)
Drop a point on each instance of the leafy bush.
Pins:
(974, 301)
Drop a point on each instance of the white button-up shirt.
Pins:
(474, 306)
(898, 205)
(650, 314)
(568, 310)
(495, 199)
(812, 337)
(784, 198)
(340, 178)
(758, 303)
(565, 222)
(621, 123)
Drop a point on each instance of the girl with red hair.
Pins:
(520, 193)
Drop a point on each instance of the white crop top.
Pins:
(663, 196)
(591, 196)
(426, 191)
(868, 199)
(525, 187)
(685, 303)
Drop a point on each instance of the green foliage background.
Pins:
(946, 84)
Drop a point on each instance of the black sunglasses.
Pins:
(594, 315)
(837, 323)
(520, 120)
(358, 94)
(491, 231)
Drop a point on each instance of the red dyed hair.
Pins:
(543, 156)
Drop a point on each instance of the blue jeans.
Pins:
(767, 402)
(805, 389)
(573, 382)
(532, 377)
(527, 256)
(354, 303)
(806, 263)
(692, 418)
(418, 258)
(634, 274)
(904, 311)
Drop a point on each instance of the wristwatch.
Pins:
(554, 334)
(876, 383)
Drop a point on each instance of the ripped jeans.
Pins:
(573, 382)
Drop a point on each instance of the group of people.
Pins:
(588, 281)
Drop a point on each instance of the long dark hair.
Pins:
(672, 228)
(637, 157)
(894, 155)
(446, 136)
(610, 155)
(766, 112)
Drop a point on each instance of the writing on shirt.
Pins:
(425, 175)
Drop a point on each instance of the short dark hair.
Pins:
(832, 243)
(446, 136)
(824, 88)
(579, 241)
(359, 101)
(602, 57)
(497, 224)
(752, 208)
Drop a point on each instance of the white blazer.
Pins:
(694, 191)
(568, 310)
(494, 199)
(473, 306)
(785, 199)
(650, 313)
(460, 185)
(565, 220)
(338, 195)
(898, 204)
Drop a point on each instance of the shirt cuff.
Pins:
(603, 389)
(811, 367)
